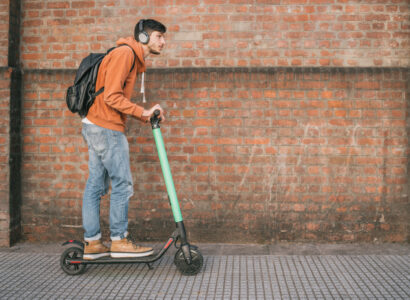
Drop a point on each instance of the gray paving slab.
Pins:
(26, 272)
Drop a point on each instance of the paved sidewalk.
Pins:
(281, 271)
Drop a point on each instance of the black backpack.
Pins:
(82, 94)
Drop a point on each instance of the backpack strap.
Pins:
(101, 90)
(135, 55)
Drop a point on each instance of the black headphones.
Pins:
(143, 36)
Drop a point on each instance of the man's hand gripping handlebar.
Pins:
(147, 114)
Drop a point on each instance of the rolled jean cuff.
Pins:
(93, 238)
(120, 237)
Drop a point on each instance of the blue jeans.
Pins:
(108, 160)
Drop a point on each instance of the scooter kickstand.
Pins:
(149, 266)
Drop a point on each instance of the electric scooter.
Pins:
(187, 259)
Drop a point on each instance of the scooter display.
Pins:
(187, 259)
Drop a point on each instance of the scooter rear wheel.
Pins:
(72, 253)
(189, 269)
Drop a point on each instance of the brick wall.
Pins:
(286, 119)
(224, 33)
(4, 126)
(4, 32)
(257, 155)
(4, 156)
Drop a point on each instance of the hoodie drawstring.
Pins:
(143, 87)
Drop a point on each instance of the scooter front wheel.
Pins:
(189, 269)
(72, 253)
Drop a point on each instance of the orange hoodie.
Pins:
(110, 108)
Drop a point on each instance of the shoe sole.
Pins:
(95, 256)
(129, 254)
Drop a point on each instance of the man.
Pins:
(103, 130)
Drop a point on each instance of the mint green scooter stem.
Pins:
(166, 171)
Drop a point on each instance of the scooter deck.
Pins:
(111, 260)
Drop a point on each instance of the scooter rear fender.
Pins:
(81, 244)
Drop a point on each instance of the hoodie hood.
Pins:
(130, 41)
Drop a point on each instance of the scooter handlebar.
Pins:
(155, 119)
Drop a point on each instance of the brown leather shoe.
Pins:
(126, 248)
(94, 250)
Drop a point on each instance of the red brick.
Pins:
(82, 4)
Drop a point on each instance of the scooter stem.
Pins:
(166, 171)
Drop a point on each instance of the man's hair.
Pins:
(149, 26)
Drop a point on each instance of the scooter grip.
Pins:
(155, 119)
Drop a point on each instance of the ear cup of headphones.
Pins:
(143, 37)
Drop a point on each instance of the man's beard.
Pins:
(152, 51)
